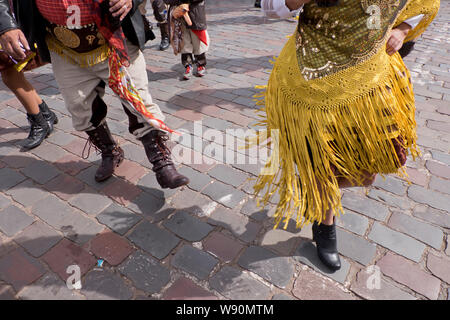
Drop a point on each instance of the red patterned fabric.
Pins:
(55, 11)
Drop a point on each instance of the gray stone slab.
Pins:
(197, 180)
(355, 247)
(145, 272)
(397, 242)
(9, 178)
(275, 269)
(353, 222)
(90, 202)
(149, 184)
(236, 285)
(251, 210)
(27, 193)
(38, 238)
(187, 227)
(390, 199)
(445, 158)
(40, 171)
(194, 261)
(105, 285)
(306, 253)
(228, 175)
(118, 218)
(154, 240)
(391, 184)
(49, 287)
(419, 230)
(440, 218)
(282, 296)
(153, 208)
(13, 220)
(371, 208)
(4, 202)
(224, 194)
(432, 198)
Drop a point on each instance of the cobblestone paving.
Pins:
(208, 240)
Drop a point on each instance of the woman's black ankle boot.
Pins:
(326, 242)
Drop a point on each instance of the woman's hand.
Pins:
(295, 4)
(13, 42)
(120, 8)
(396, 38)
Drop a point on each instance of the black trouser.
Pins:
(186, 59)
(159, 11)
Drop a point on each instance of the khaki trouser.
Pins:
(192, 43)
(81, 86)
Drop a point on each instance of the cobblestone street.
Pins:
(209, 240)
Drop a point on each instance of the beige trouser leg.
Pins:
(192, 43)
(80, 86)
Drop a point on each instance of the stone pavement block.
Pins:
(228, 175)
(371, 208)
(194, 261)
(410, 274)
(237, 285)
(417, 176)
(439, 156)
(438, 169)
(13, 220)
(88, 176)
(282, 296)
(251, 210)
(153, 208)
(439, 266)
(440, 218)
(4, 202)
(9, 178)
(238, 224)
(134, 152)
(90, 202)
(422, 231)
(187, 227)
(353, 222)
(434, 199)
(221, 246)
(49, 152)
(193, 202)
(130, 171)
(224, 194)
(71, 164)
(110, 247)
(186, 289)
(40, 171)
(355, 247)
(118, 218)
(60, 138)
(441, 185)
(19, 269)
(122, 191)
(17, 160)
(6, 245)
(105, 285)
(49, 287)
(306, 253)
(145, 272)
(275, 269)
(149, 184)
(281, 241)
(386, 291)
(65, 254)
(397, 242)
(154, 240)
(391, 200)
(27, 193)
(64, 186)
(310, 286)
(197, 180)
(38, 238)
(390, 184)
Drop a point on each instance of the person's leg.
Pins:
(39, 115)
(199, 50)
(82, 90)
(160, 13)
(187, 60)
(153, 140)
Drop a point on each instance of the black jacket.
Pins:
(33, 24)
(197, 12)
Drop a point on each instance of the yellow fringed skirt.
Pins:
(345, 123)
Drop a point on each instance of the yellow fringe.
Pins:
(362, 130)
(84, 60)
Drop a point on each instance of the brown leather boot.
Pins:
(159, 155)
(112, 154)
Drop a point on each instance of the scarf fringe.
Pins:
(354, 136)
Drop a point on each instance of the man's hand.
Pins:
(10, 42)
(396, 38)
(295, 4)
(120, 8)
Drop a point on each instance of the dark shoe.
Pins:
(112, 154)
(326, 242)
(48, 114)
(257, 3)
(39, 130)
(159, 155)
(165, 42)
